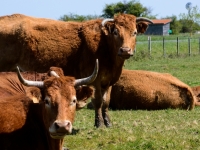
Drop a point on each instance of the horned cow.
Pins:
(139, 89)
(38, 43)
(39, 118)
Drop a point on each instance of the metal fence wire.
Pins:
(165, 47)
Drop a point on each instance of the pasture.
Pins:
(147, 130)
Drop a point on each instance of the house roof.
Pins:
(161, 21)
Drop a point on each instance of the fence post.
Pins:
(164, 54)
(177, 47)
(189, 46)
(199, 45)
(149, 45)
(135, 51)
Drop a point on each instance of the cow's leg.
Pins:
(105, 107)
(97, 103)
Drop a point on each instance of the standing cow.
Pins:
(37, 43)
(39, 117)
(137, 89)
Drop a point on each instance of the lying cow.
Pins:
(196, 90)
(148, 90)
(39, 118)
(38, 43)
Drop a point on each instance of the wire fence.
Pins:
(165, 47)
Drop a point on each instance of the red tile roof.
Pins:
(161, 21)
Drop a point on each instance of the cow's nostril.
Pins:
(57, 126)
(121, 49)
(68, 125)
(125, 49)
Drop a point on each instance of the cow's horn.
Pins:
(89, 79)
(106, 20)
(138, 19)
(25, 82)
(53, 73)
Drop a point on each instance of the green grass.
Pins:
(138, 130)
(146, 130)
(187, 69)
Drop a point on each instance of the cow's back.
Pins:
(24, 39)
(138, 89)
(10, 84)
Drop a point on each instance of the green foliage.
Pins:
(190, 21)
(175, 24)
(79, 18)
(132, 7)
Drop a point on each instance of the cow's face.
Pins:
(60, 100)
(121, 33)
(61, 103)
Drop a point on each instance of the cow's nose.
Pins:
(125, 50)
(62, 126)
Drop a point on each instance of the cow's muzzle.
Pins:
(125, 52)
(60, 128)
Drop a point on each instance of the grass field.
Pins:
(146, 130)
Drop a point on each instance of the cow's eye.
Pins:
(115, 32)
(73, 101)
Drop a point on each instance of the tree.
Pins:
(190, 21)
(175, 24)
(79, 18)
(132, 7)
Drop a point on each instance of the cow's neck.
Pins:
(117, 69)
(112, 61)
(55, 144)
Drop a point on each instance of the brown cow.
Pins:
(38, 43)
(10, 84)
(41, 126)
(196, 90)
(137, 89)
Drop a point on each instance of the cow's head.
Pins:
(60, 100)
(122, 31)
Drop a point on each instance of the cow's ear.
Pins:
(141, 27)
(34, 94)
(83, 93)
(108, 28)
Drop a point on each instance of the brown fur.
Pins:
(38, 43)
(196, 90)
(25, 124)
(148, 90)
(10, 84)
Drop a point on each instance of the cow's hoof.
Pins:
(107, 121)
(99, 123)
(65, 148)
(108, 125)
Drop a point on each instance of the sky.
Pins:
(54, 9)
